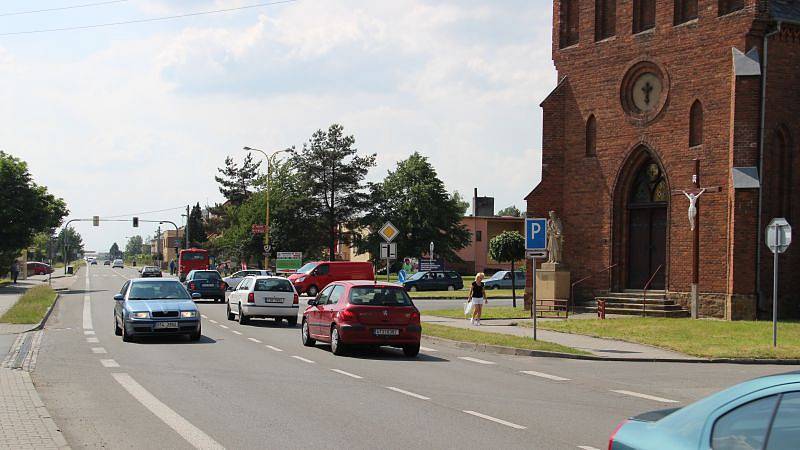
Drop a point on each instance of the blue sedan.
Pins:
(761, 414)
(155, 307)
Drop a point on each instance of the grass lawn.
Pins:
(489, 312)
(703, 338)
(31, 307)
(4, 282)
(482, 337)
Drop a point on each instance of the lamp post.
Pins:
(269, 158)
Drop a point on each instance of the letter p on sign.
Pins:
(535, 234)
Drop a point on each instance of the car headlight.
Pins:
(188, 314)
(301, 279)
(140, 315)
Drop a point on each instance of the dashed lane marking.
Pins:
(587, 447)
(236, 332)
(88, 332)
(273, 348)
(351, 375)
(410, 394)
(223, 326)
(204, 316)
(193, 435)
(544, 375)
(495, 420)
(92, 340)
(303, 359)
(646, 396)
(254, 340)
(109, 363)
(427, 349)
(98, 350)
(212, 321)
(475, 360)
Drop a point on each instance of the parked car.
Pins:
(264, 297)
(150, 271)
(435, 280)
(233, 280)
(502, 280)
(106, 263)
(362, 312)
(118, 263)
(314, 276)
(153, 308)
(38, 268)
(207, 283)
(763, 413)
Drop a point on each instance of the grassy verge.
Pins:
(489, 312)
(703, 338)
(4, 282)
(31, 307)
(481, 337)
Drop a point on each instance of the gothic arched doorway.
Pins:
(646, 228)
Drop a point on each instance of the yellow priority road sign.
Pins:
(388, 231)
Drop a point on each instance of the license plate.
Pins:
(208, 284)
(386, 332)
(273, 300)
(160, 325)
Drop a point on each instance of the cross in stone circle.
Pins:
(647, 89)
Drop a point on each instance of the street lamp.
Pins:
(269, 158)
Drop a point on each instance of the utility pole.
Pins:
(186, 231)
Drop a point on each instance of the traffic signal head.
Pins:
(135, 222)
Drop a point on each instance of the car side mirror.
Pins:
(119, 297)
(196, 295)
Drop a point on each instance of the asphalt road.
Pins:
(256, 386)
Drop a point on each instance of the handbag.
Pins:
(468, 308)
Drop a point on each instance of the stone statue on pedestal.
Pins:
(555, 239)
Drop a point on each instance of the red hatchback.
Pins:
(362, 313)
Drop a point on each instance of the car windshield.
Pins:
(150, 290)
(416, 276)
(210, 275)
(307, 268)
(498, 275)
(379, 296)
(273, 285)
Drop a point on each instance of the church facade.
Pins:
(658, 102)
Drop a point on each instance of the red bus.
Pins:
(191, 259)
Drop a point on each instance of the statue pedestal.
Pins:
(552, 282)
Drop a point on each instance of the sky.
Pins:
(137, 118)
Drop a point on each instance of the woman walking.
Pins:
(477, 296)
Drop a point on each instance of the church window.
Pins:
(570, 22)
(649, 186)
(696, 124)
(729, 6)
(591, 136)
(644, 15)
(605, 19)
(685, 10)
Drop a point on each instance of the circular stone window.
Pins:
(644, 91)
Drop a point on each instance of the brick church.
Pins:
(659, 99)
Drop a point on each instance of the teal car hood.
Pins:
(160, 305)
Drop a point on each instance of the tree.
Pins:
(72, 240)
(463, 205)
(508, 246)
(114, 252)
(134, 246)
(332, 176)
(25, 209)
(512, 211)
(415, 200)
(235, 182)
(197, 229)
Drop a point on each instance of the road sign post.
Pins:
(535, 248)
(778, 238)
(388, 232)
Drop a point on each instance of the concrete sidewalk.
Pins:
(604, 348)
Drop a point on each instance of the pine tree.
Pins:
(197, 229)
(234, 181)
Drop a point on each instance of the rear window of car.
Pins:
(150, 269)
(193, 256)
(273, 285)
(149, 290)
(379, 296)
(206, 276)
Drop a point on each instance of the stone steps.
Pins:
(638, 303)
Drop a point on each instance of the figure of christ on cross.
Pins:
(647, 89)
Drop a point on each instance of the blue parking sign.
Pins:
(535, 234)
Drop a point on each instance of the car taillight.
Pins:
(222, 285)
(296, 300)
(251, 298)
(346, 315)
(191, 286)
(614, 434)
(415, 316)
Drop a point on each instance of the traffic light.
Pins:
(96, 221)
(135, 222)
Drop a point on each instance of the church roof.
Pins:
(788, 10)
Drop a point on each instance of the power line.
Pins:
(85, 5)
(152, 19)
(142, 213)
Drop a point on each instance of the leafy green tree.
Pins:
(463, 205)
(197, 228)
(235, 182)
(333, 175)
(41, 246)
(415, 200)
(512, 211)
(25, 209)
(73, 241)
(508, 246)
(114, 252)
(134, 246)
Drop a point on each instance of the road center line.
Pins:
(212, 321)
(186, 430)
(254, 340)
(236, 332)
(109, 363)
(92, 340)
(586, 447)
(273, 348)
(544, 375)
(98, 350)
(88, 332)
(303, 359)
(223, 326)
(475, 360)
(351, 375)
(495, 420)
(204, 316)
(645, 396)
(410, 394)
(87, 313)
(427, 349)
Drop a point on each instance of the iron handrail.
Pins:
(647, 285)
(572, 286)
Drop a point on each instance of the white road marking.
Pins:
(351, 375)
(303, 359)
(98, 350)
(544, 375)
(204, 316)
(92, 340)
(223, 326)
(586, 447)
(236, 332)
(88, 332)
(495, 420)
(427, 349)
(109, 363)
(410, 394)
(254, 340)
(87, 313)
(475, 360)
(273, 348)
(212, 321)
(186, 430)
(645, 396)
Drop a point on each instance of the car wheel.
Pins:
(413, 289)
(312, 291)
(230, 314)
(126, 337)
(243, 320)
(337, 348)
(279, 321)
(451, 288)
(196, 335)
(411, 351)
(292, 321)
(117, 329)
(308, 341)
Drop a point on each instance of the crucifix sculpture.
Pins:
(647, 89)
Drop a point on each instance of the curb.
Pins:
(46, 315)
(502, 350)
